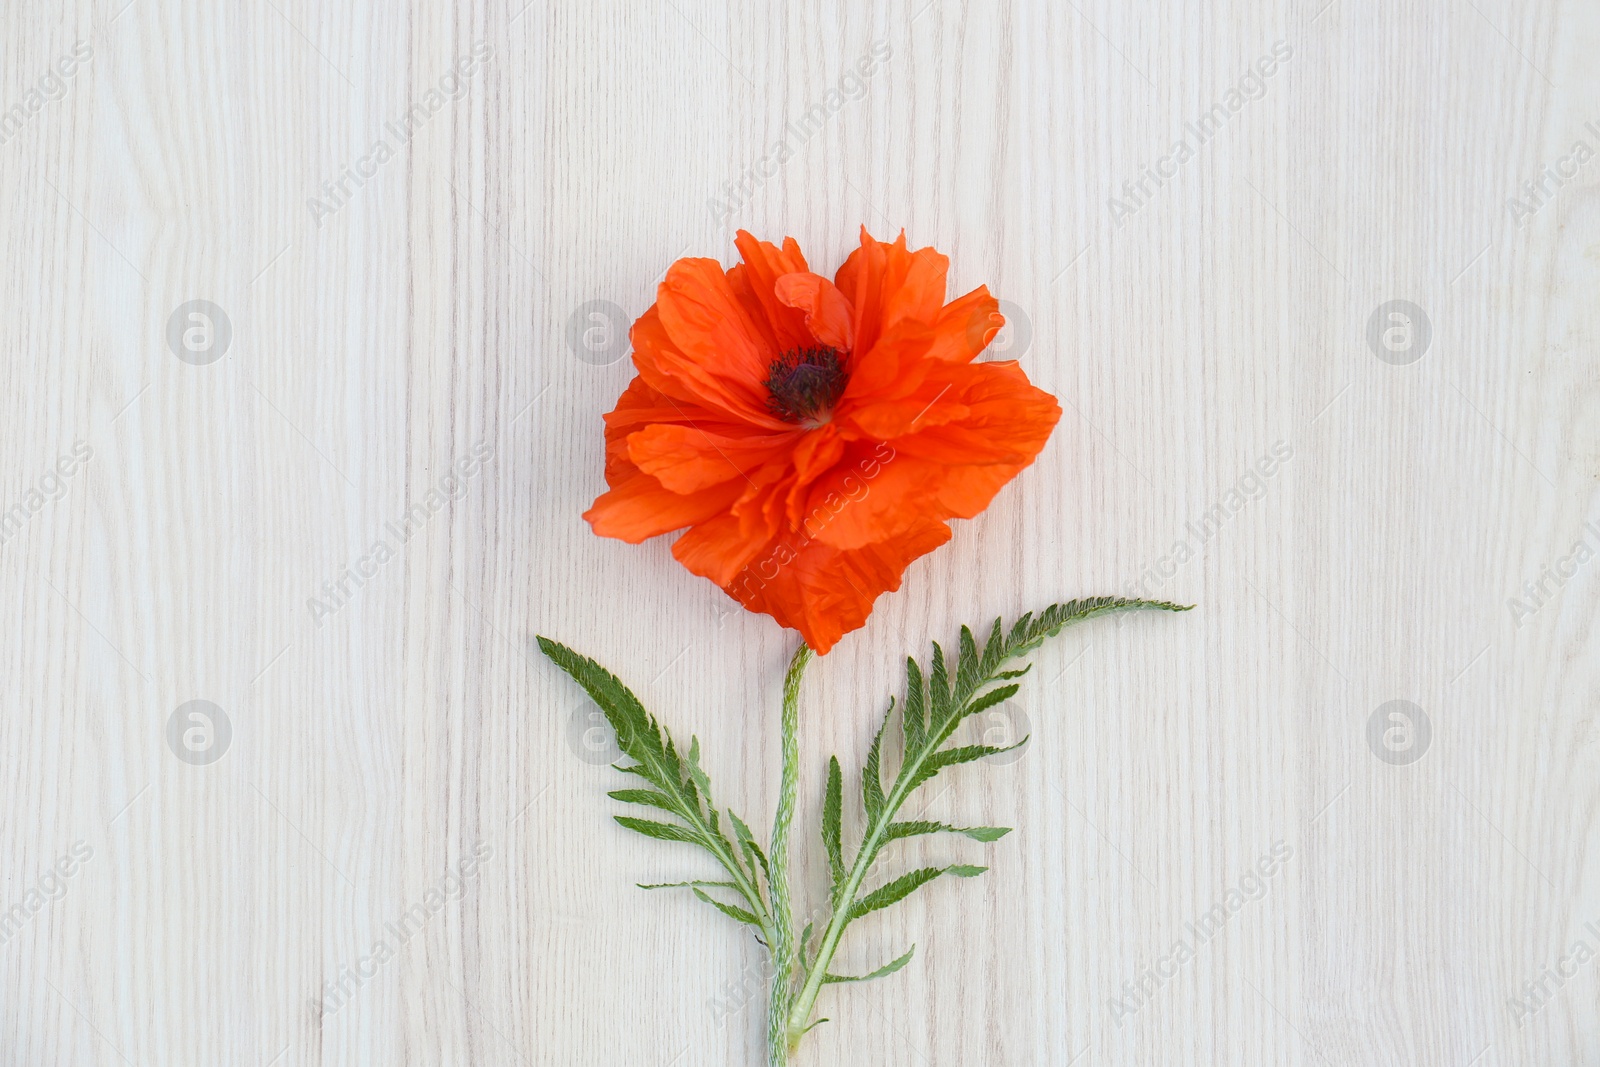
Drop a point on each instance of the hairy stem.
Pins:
(782, 943)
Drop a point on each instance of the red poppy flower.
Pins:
(813, 436)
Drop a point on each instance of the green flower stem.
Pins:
(782, 945)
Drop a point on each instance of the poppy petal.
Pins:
(828, 314)
(825, 592)
(686, 459)
(639, 508)
(764, 264)
(714, 348)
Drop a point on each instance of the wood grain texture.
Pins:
(420, 317)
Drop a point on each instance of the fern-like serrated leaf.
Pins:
(752, 851)
(661, 831)
(1055, 618)
(832, 818)
(985, 834)
(696, 774)
(733, 912)
(638, 734)
(872, 775)
(682, 788)
(997, 695)
(968, 664)
(644, 796)
(951, 757)
(905, 885)
(914, 717)
(886, 969)
(939, 703)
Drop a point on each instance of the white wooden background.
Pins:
(373, 346)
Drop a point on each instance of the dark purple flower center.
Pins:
(804, 384)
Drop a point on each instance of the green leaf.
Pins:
(696, 775)
(638, 734)
(732, 912)
(912, 829)
(659, 830)
(685, 885)
(887, 968)
(872, 777)
(907, 884)
(752, 851)
(997, 695)
(832, 810)
(939, 703)
(914, 716)
(681, 787)
(952, 757)
(644, 796)
(968, 664)
(994, 648)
